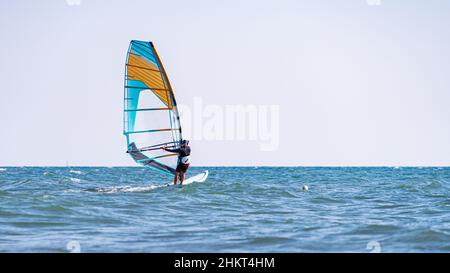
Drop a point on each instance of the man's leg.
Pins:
(182, 177)
(175, 179)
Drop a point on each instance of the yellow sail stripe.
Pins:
(145, 71)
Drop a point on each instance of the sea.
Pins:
(237, 209)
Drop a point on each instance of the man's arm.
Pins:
(178, 150)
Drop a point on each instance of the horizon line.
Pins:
(235, 166)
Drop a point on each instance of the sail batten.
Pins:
(151, 116)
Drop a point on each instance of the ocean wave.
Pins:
(408, 187)
(75, 172)
(15, 185)
(327, 200)
(73, 179)
(36, 224)
(434, 185)
(128, 189)
(269, 240)
(119, 189)
(3, 170)
(427, 236)
(376, 229)
(74, 191)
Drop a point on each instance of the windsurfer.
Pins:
(184, 156)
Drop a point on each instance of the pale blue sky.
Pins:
(356, 84)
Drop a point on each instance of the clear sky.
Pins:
(356, 84)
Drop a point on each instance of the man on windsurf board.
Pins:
(184, 157)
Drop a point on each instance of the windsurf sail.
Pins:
(150, 115)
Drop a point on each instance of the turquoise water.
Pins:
(235, 210)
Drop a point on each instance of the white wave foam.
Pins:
(3, 170)
(128, 189)
(75, 172)
(119, 189)
(74, 190)
(74, 179)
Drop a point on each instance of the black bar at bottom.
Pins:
(222, 262)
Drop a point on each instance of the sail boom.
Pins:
(146, 109)
(151, 131)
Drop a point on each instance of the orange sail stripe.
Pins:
(143, 70)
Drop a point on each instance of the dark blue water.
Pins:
(236, 209)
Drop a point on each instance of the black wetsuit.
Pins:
(184, 153)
